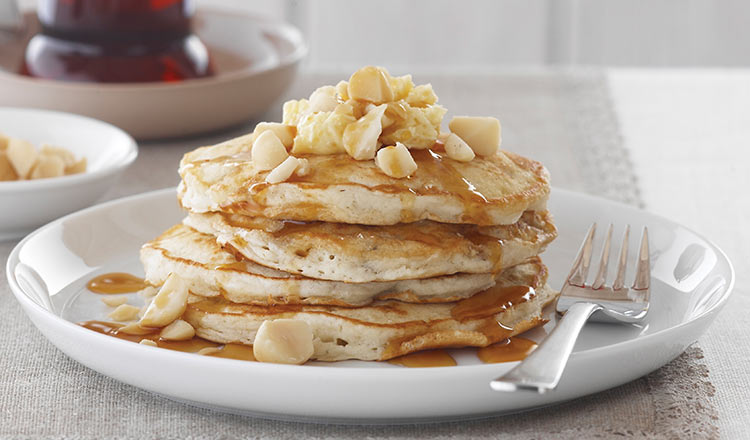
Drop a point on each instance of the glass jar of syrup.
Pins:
(116, 41)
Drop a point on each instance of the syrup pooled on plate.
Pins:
(425, 359)
(484, 304)
(194, 345)
(116, 282)
(510, 350)
(491, 301)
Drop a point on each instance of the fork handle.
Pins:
(541, 370)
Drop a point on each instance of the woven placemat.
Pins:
(566, 120)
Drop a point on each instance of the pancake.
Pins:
(387, 329)
(492, 190)
(361, 254)
(210, 270)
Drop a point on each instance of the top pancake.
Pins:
(492, 190)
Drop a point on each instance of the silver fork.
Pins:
(542, 369)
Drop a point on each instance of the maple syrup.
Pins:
(432, 234)
(239, 266)
(492, 301)
(228, 351)
(116, 41)
(116, 282)
(425, 359)
(509, 350)
(430, 161)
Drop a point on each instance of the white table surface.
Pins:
(688, 133)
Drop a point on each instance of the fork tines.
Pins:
(582, 263)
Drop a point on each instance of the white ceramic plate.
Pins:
(47, 272)
(255, 60)
(28, 204)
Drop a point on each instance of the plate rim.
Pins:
(422, 372)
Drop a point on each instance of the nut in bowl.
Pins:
(41, 140)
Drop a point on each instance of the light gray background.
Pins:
(471, 34)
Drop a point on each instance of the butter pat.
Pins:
(421, 96)
(322, 132)
(283, 341)
(294, 111)
(402, 86)
(415, 127)
(396, 161)
(169, 304)
(482, 134)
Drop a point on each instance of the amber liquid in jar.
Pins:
(116, 41)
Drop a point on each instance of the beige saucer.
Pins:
(256, 60)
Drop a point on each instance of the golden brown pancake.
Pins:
(361, 254)
(386, 329)
(210, 270)
(491, 190)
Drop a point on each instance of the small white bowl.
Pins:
(28, 204)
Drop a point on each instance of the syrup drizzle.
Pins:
(509, 350)
(425, 359)
(432, 163)
(444, 236)
(482, 305)
(492, 301)
(116, 282)
(229, 351)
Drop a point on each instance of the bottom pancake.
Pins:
(387, 329)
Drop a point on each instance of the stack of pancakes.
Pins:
(378, 267)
